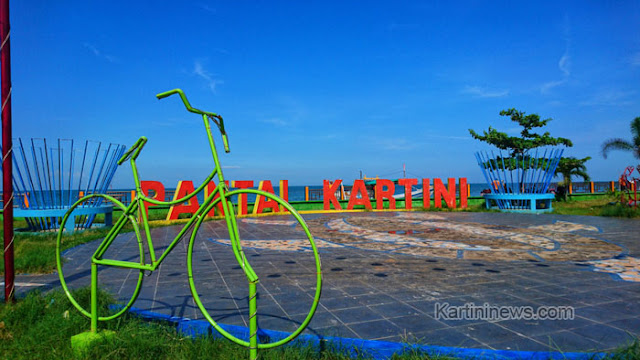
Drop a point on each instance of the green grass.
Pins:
(36, 252)
(602, 205)
(40, 327)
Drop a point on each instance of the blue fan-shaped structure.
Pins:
(518, 181)
(50, 176)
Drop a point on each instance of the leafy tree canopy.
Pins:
(632, 146)
(571, 166)
(527, 140)
(567, 168)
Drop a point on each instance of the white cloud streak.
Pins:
(635, 59)
(201, 72)
(564, 64)
(110, 58)
(207, 8)
(449, 137)
(275, 121)
(481, 92)
(611, 98)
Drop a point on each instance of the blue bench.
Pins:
(520, 202)
(107, 210)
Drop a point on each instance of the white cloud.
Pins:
(394, 144)
(448, 137)
(635, 59)
(99, 54)
(200, 71)
(611, 98)
(481, 92)
(207, 8)
(275, 121)
(564, 64)
(551, 84)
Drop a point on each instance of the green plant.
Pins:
(39, 326)
(519, 146)
(527, 139)
(569, 167)
(632, 146)
(620, 210)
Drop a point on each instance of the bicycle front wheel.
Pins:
(257, 233)
(79, 275)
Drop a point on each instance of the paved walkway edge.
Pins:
(379, 350)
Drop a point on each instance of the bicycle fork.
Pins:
(253, 320)
(252, 277)
(94, 297)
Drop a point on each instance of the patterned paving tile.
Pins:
(385, 272)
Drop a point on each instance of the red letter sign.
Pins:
(284, 192)
(157, 188)
(242, 198)
(211, 187)
(440, 193)
(408, 183)
(263, 203)
(426, 193)
(329, 194)
(382, 194)
(359, 189)
(184, 188)
(463, 193)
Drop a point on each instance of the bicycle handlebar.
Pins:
(212, 116)
(134, 151)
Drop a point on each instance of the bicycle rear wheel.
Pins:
(75, 279)
(304, 236)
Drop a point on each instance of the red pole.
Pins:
(7, 147)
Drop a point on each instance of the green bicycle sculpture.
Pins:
(135, 214)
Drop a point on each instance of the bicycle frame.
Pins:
(136, 207)
(136, 210)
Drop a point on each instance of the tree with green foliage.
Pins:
(518, 146)
(569, 167)
(621, 144)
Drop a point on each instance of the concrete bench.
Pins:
(520, 202)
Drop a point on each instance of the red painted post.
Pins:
(7, 188)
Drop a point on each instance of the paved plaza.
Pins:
(386, 275)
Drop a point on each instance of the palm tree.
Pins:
(622, 144)
(568, 167)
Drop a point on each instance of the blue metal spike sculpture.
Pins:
(50, 176)
(518, 182)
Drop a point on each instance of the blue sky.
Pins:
(314, 90)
